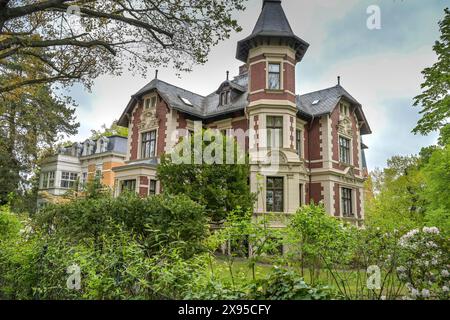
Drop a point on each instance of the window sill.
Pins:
(275, 91)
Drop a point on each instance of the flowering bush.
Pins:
(424, 264)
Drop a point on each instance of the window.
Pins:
(344, 150)
(83, 179)
(346, 197)
(68, 179)
(51, 179)
(102, 145)
(148, 144)
(128, 185)
(298, 141)
(274, 76)
(225, 98)
(45, 180)
(150, 102)
(274, 194)
(274, 132)
(300, 195)
(98, 174)
(152, 189)
(344, 109)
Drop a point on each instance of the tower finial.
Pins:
(339, 80)
(228, 74)
(156, 74)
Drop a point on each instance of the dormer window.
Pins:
(274, 76)
(88, 147)
(225, 98)
(102, 145)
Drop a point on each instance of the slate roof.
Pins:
(201, 106)
(324, 101)
(116, 144)
(272, 24)
(313, 104)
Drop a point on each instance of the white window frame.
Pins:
(280, 63)
(268, 142)
(150, 102)
(140, 143)
(353, 201)
(350, 139)
(70, 180)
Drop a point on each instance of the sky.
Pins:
(381, 68)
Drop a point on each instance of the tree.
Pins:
(435, 98)
(114, 129)
(398, 188)
(221, 188)
(437, 192)
(30, 121)
(101, 35)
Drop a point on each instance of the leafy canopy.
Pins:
(435, 98)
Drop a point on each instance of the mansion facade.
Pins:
(318, 134)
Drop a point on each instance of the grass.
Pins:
(240, 272)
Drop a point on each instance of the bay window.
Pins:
(274, 76)
(274, 194)
(274, 127)
(68, 179)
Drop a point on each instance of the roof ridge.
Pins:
(304, 94)
(172, 85)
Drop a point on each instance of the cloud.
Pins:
(382, 69)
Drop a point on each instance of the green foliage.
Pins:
(424, 263)
(398, 203)
(435, 99)
(113, 130)
(158, 221)
(282, 284)
(437, 192)
(219, 187)
(24, 134)
(317, 240)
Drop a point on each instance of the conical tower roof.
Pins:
(273, 26)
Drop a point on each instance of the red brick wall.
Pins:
(316, 192)
(334, 133)
(355, 141)
(136, 120)
(315, 141)
(243, 125)
(161, 113)
(337, 200)
(258, 81)
(289, 77)
(143, 188)
(258, 76)
(182, 122)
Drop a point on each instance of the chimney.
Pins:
(243, 69)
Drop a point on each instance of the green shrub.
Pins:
(284, 284)
(156, 222)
